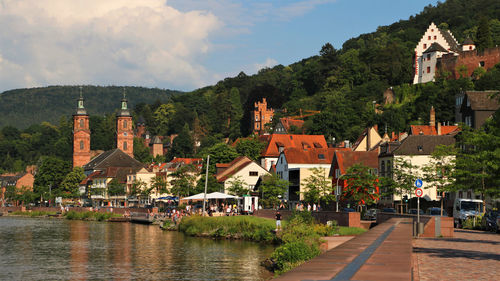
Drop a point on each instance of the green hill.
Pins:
(24, 107)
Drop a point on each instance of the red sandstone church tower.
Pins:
(81, 135)
(124, 133)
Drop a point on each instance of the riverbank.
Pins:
(70, 215)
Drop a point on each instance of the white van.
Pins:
(465, 208)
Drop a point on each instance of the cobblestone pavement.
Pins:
(470, 255)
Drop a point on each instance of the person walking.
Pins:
(278, 221)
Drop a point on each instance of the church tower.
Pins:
(81, 135)
(124, 133)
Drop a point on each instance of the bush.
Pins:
(473, 222)
(291, 254)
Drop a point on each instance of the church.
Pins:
(81, 133)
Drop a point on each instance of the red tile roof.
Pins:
(346, 159)
(288, 122)
(428, 130)
(311, 156)
(291, 141)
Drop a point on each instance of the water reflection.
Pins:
(75, 250)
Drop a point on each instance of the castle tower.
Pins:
(124, 132)
(81, 135)
(261, 116)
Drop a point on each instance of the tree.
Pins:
(183, 181)
(362, 185)
(50, 174)
(478, 163)
(238, 187)
(404, 176)
(183, 144)
(212, 184)
(236, 114)
(318, 187)
(70, 184)
(159, 184)
(141, 152)
(251, 148)
(271, 188)
(483, 36)
(116, 188)
(219, 153)
(162, 116)
(439, 171)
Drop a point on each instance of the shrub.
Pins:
(291, 254)
(472, 222)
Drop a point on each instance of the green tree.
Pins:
(238, 187)
(159, 185)
(477, 165)
(212, 185)
(50, 174)
(71, 182)
(162, 116)
(483, 36)
(236, 114)
(251, 148)
(404, 175)
(271, 188)
(183, 144)
(318, 187)
(183, 181)
(362, 185)
(141, 152)
(219, 153)
(116, 188)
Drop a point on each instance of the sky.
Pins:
(174, 44)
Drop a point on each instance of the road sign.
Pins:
(419, 192)
(418, 183)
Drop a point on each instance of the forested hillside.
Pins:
(24, 107)
(344, 84)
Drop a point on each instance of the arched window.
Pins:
(81, 145)
(124, 145)
(124, 124)
(81, 123)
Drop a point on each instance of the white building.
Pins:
(242, 168)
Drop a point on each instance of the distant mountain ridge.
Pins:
(24, 107)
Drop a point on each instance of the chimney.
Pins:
(432, 119)
(439, 129)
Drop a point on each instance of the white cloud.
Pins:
(268, 63)
(121, 42)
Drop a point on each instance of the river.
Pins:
(58, 249)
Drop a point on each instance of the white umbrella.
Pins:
(219, 195)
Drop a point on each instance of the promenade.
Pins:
(470, 255)
(383, 253)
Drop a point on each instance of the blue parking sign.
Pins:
(418, 183)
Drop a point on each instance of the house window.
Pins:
(481, 63)
(253, 174)
(428, 56)
(425, 46)
(321, 156)
(468, 121)
(124, 145)
(81, 123)
(429, 37)
(420, 148)
(257, 125)
(82, 146)
(256, 117)
(428, 69)
(435, 37)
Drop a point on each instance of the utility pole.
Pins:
(206, 183)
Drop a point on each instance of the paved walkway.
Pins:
(470, 255)
(383, 253)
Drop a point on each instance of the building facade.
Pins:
(262, 115)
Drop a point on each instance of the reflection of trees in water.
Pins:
(125, 251)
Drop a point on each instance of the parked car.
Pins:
(491, 221)
(371, 214)
(414, 211)
(435, 212)
(389, 210)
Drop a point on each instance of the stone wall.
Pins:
(432, 228)
(352, 219)
(470, 59)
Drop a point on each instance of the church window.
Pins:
(81, 145)
(81, 123)
(124, 124)
(124, 145)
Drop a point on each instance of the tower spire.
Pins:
(80, 109)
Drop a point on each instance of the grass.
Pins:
(234, 227)
(72, 215)
(33, 213)
(345, 230)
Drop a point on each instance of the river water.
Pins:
(57, 249)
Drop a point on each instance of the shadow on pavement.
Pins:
(462, 240)
(454, 253)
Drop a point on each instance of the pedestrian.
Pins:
(314, 207)
(308, 207)
(278, 221)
